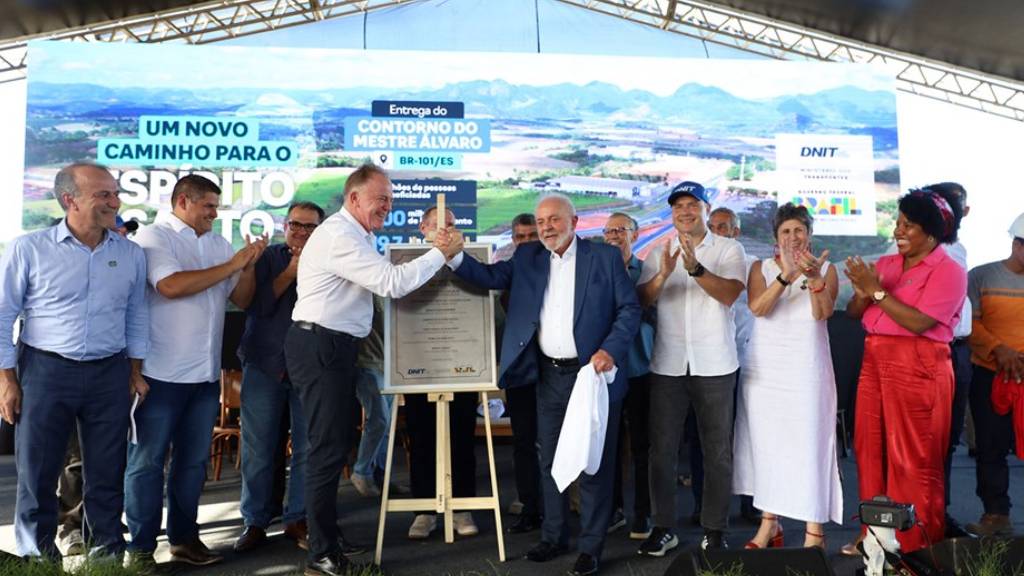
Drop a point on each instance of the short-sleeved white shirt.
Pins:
(185, 333)
(695, 331)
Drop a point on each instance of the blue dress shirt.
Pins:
(643, 344)
(82, 304)
(267, 318)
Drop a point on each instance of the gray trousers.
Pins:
(712, 398)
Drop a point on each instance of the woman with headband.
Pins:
(908, 303)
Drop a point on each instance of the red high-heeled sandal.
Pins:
(776, 541)
(813, 535)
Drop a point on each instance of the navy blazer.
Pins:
(607, 311)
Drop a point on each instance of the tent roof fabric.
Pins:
(981, 35)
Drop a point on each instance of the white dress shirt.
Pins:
(185, 333)
(555, 334)
(340, 270)
(695, 332)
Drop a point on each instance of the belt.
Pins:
(318, 329)
(561, 362)
(56, 356)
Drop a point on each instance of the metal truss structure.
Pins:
(214, 21)
(200, 23)
(760, 35)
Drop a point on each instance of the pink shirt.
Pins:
(936, 286)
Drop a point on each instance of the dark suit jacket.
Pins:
(607, 311)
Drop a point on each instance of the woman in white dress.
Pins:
(784, 451)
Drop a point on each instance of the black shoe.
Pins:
(544, 551)
(640, 529)
(349, 549)
(585, 566)
(618, 521)
(954, 529)
(713, 540)
(658, 543)
(525, 523)
(251, 537)
(328, 565)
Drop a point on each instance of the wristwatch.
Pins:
(879, 296)
(697, 271)
(782, 280)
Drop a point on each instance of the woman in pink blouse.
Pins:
(908, 303)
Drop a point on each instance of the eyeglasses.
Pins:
(617, 231)
(302, 226)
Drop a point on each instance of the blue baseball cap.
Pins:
(118, 221)
(688, 188)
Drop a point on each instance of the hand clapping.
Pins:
(863, 276)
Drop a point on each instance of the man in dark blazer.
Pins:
(571, 302)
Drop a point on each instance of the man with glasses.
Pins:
(81, 289)
(267, 392)
(621, 231)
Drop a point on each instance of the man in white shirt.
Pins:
(192, 274)
(960, 350)
(695, 278)
(339, 272)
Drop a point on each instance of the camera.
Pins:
(882, 512)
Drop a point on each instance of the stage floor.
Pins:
(477, 556)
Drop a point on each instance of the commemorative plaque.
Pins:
(439, 338)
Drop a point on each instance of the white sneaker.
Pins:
(463, 524)
(364, 486)
(422, 526)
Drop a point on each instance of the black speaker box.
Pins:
(761, 562)
(953, 554)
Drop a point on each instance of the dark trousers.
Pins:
(696, 456)
(712, 399)
(57, 394)
(993, 437)
(553, 393)
(634, 422)
(322, 367)
(960, 352)
(522, 413)
(421, 424)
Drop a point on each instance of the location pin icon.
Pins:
(383, 158)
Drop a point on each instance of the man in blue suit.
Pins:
(571, 302)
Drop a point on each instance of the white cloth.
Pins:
(555, 335)
(340, 270)
(581, 439)
(784, 446)
(695, 331)
(185, 334)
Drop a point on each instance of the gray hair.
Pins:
(65, 182)
(561, 198)
(632, 221)
(728, 212)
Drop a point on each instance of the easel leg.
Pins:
(494, 479)
(395, 401)
(443, 453)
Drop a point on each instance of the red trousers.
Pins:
(901, 428)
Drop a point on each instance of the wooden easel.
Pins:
(444, 502)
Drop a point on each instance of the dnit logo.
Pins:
(416, 371)
(830, 206)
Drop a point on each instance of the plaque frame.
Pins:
(487, 381)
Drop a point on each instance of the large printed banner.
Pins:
(493, 131)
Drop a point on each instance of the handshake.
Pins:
(449, 241)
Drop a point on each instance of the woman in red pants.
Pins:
(908, 303)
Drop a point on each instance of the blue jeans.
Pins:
(373, 446)
(57, 393)
(264, 400)
(178, 417)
